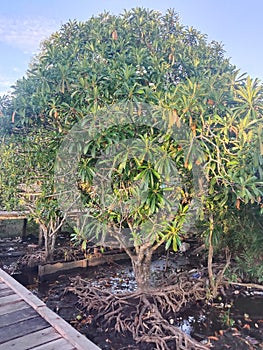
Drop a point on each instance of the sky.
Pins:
(24, 24)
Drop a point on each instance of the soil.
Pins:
(233, 321)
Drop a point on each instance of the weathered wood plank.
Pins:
(3, 286)
(49, 269)
(5, 293)
(17, 316)
(20, 290)
(6, 309)
(106, 259)
(10, 299)
(11, 215)
(31, 340)
(78, 340)
(45, 319)
(22, 328)
(57, 344)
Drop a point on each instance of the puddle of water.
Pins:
(123, 281)
(116, 282)
(198, 322)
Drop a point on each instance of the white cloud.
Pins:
(5, 86)
(26, 33)
(16, 70)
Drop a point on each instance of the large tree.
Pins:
(144, 57)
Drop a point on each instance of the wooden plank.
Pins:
(76, 339)
(31, 340)
(11, 215)
(106, 259)
(22, 328)
(10, 299)
(3, 286)
(49, 269)
(6, 309)
(57, 344)
(17, 316)
(21, 291)
(6, 292)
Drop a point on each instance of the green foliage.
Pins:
(226, 319)
(26, 176)
(241, 231)
(139, 169)
(244, 237)
(249, 267)
(140, 56)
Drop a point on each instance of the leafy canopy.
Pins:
(140, 56)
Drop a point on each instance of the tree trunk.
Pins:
(50, 247)
(141, 264)
(24, 230)
(50, 240)
(210, 256)
(40, 237)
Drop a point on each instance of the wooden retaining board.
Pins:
(27, 323)
(49, 269)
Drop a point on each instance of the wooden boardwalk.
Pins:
(12, 215)
(27, 323)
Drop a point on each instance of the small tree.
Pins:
(234, 163)
(26, 180)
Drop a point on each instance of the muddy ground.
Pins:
(233, 321)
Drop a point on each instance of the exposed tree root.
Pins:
(32, 259)
(37, 257)
(144, 314)
(248, 285)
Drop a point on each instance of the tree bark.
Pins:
(214, 281)
(141, 264)
(40, 237)
(24, 229)
(210, 256)
(50, 241)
